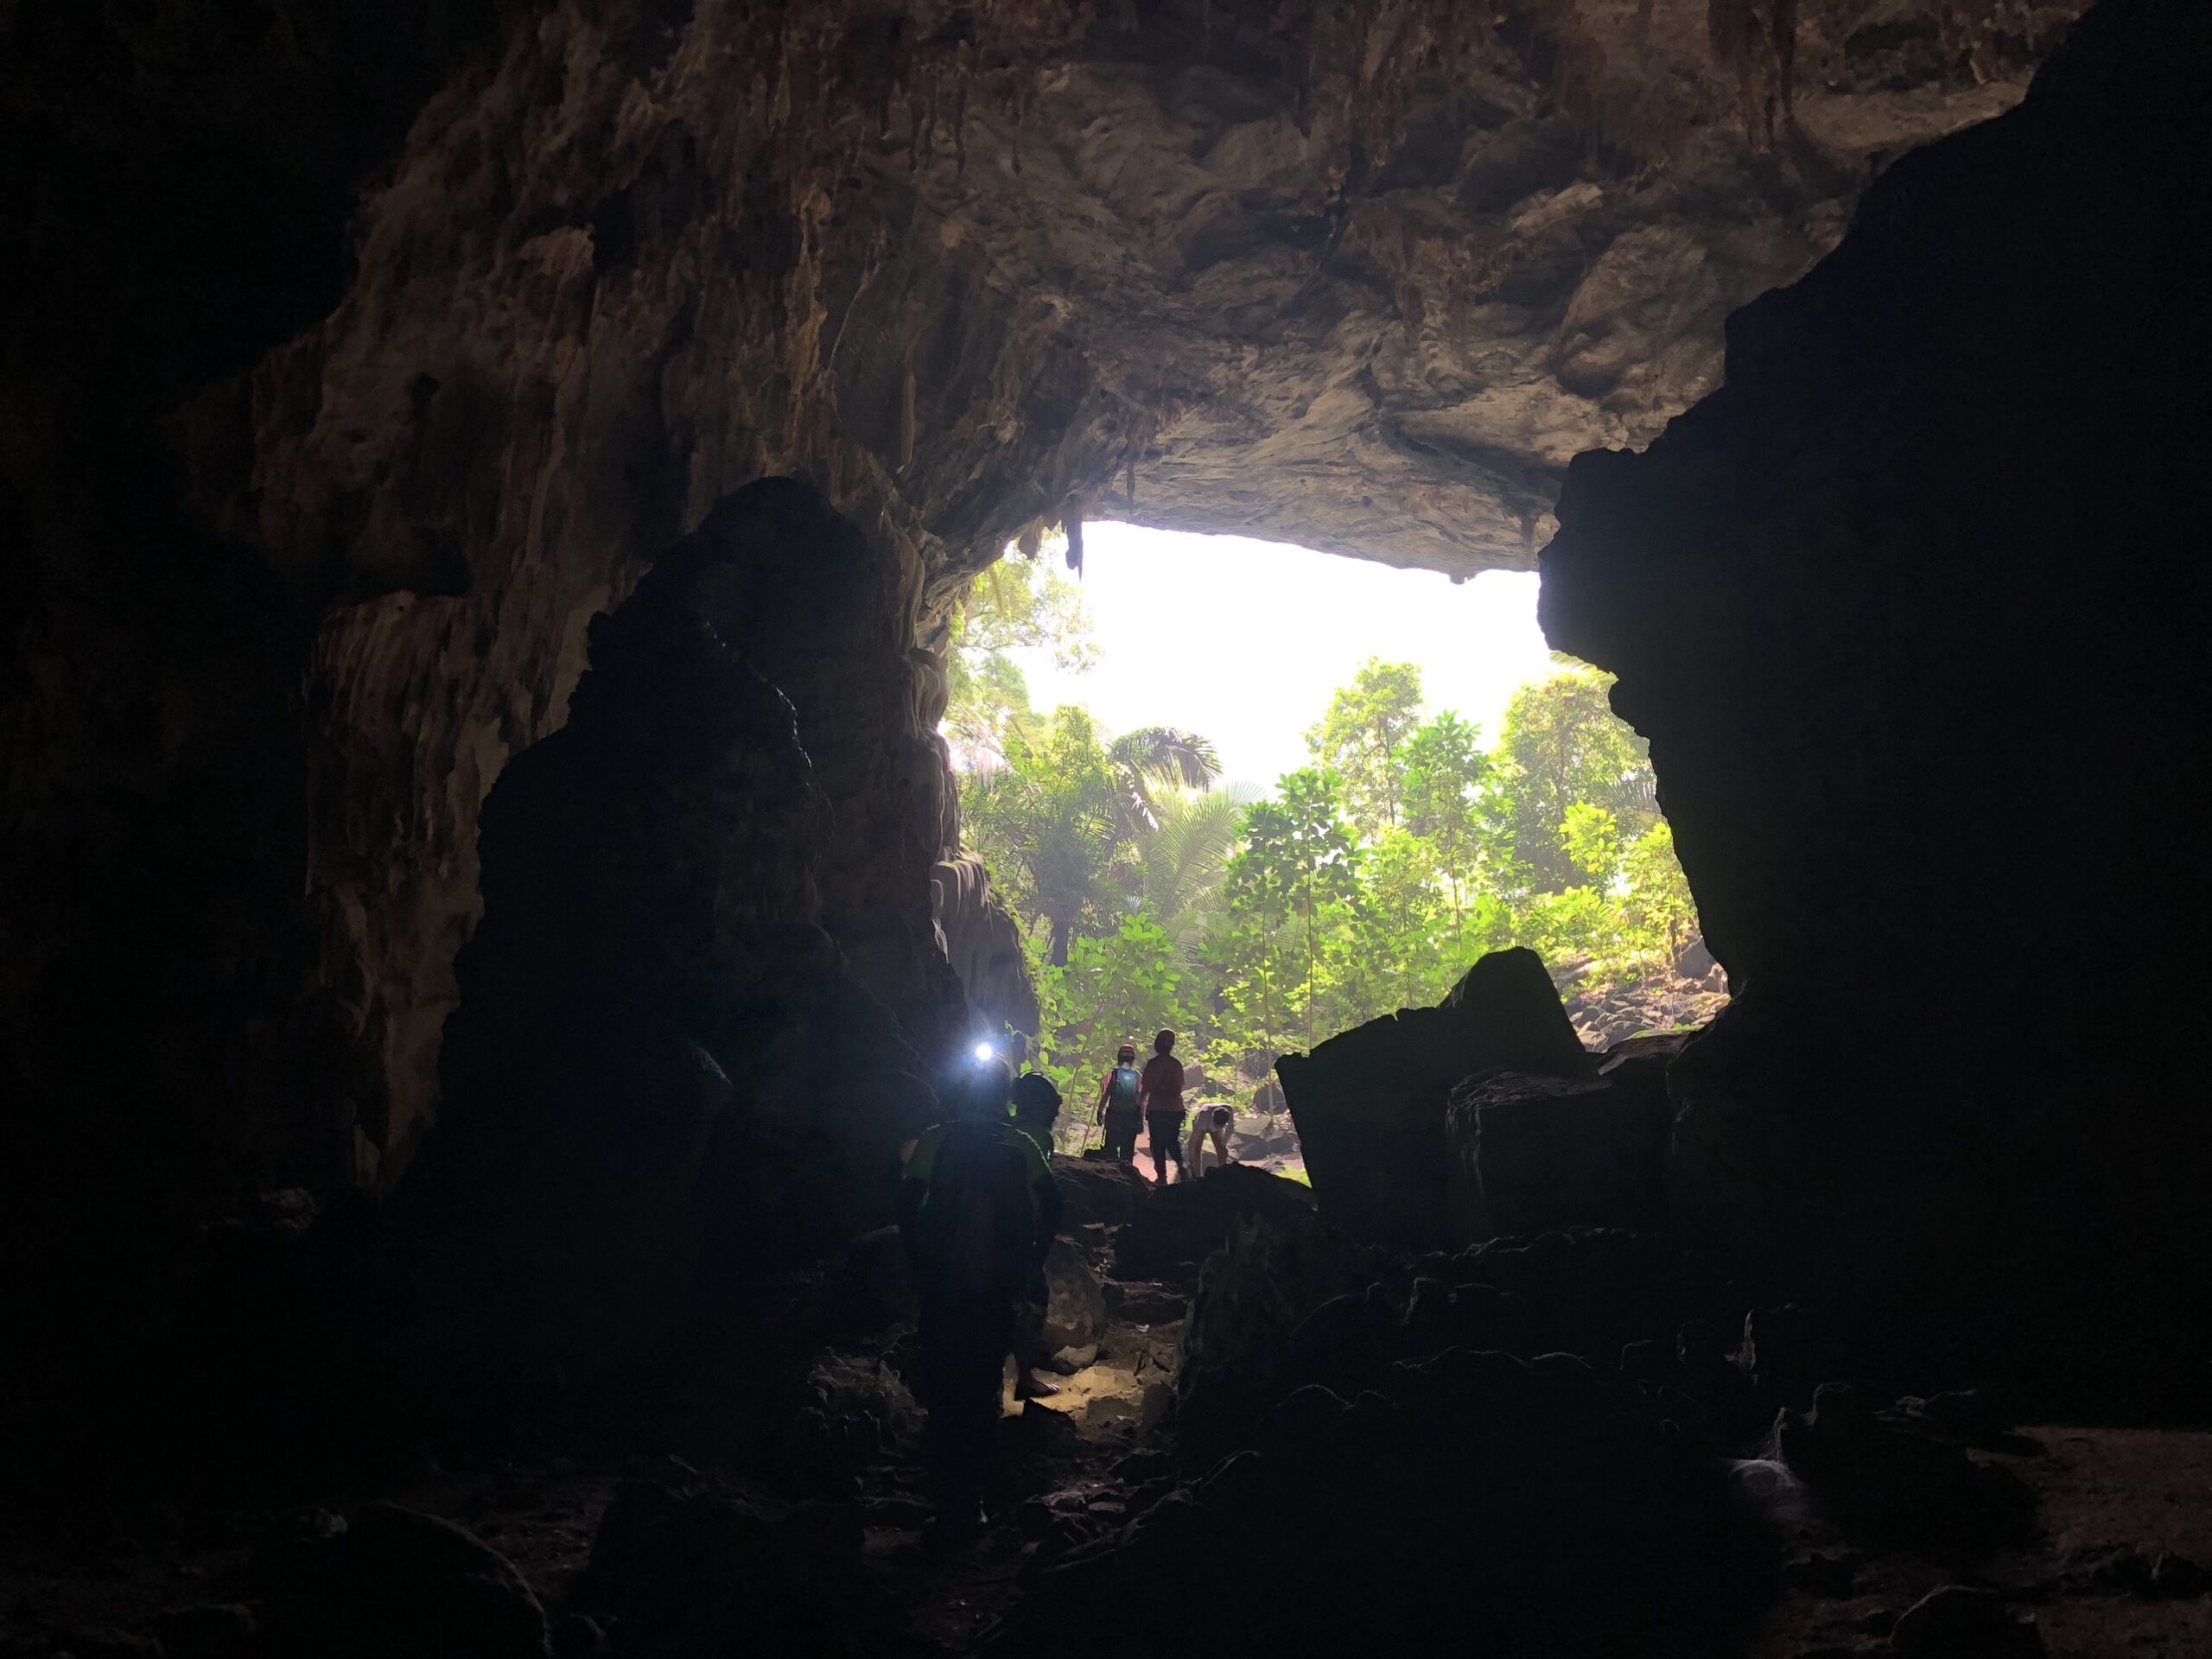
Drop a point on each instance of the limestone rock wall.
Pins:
(983, 941)
(1362, 279)
(354, 362)
(664, 1077)
(1912, 614)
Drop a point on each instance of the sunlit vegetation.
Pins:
(1367, 880)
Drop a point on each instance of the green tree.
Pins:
(1151, 761)
(1296, 879)
(1047, 825)
(1445, 799)
(1573, 922)
(1563, 745)
(1116, 987)
(1359, 737)
(1659, 914)
(1182, 861)
(1399, 929)
(1012, 605)
(1591, 836)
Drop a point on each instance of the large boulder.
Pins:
(1179, 1226)
(1370, 1105)
(1529, 1155)
(1253, 1296)
(1888, 1476)
(1097, 1189)
(1526, 1508)
(1075, 1311)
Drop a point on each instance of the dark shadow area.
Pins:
(463, 1033)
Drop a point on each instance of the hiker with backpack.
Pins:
(1120, 1104)
(978, 1211)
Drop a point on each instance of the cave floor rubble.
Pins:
(827, 1546)
(2110, 1505)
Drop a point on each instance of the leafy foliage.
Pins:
(1366, 881)
(1152, 759)
(1562, 747)
(1047, 822)
(1367, 723)
(1012, 605)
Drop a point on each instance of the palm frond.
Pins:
(1193, 759)
(1186, 860)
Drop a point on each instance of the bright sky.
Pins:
(1243, 641)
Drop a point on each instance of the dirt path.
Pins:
(1071, 1467)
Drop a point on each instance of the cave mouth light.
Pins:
(1134, 747)
(1244, 641)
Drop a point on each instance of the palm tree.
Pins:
(1152, 755)
(1066, 827)
(1183, 860)
(1051, 847)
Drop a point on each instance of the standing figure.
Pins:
(1119, 1093)
(978, 1211)
(1161, 1088)
(1210, 1123)
(1036, 1108)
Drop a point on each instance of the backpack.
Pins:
(978, 1214)
(1121, 1093)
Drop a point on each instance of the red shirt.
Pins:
(1160, 1089)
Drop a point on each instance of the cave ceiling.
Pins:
(1359, 277)
(449, 320)
(1367, 277)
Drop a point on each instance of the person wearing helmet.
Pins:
(978, 1211)
(1120, 1094)
(1036, 1107)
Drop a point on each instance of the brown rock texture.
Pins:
(354, 363)
(664, 1077)
(1862, 602)
(982, 942)
(1370, 1104)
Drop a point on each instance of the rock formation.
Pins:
(356, 364)
(982, 943)
(666, 1075)
(494, 478)
(1858, 596)
(1370, 1104)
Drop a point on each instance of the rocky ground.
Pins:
(1561, 1443)
(1607, 1011)
(1574, 1439)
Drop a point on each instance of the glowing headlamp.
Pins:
(984, 1052)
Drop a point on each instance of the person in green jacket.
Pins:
(978, 1211)
(1036, 1108)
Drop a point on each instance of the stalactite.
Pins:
(1756, 41)
(1071, 522)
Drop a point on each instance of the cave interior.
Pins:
(481, 897)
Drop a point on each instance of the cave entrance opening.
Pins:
(1259, 794)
